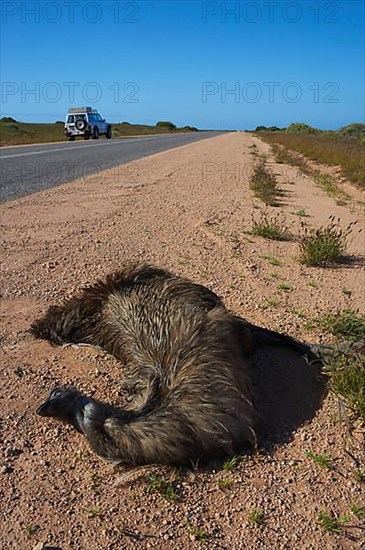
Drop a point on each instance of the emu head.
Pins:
(66, 404)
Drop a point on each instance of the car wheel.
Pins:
(109, 132)
(71, 138)
(95, 132)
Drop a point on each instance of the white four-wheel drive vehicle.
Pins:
(86, 122)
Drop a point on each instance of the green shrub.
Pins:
(189, 128)
(301, 128)
(353, 131)
(7, 119)
(166, 124)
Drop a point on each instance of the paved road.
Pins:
(28, 169)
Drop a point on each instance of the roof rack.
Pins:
(82, 110)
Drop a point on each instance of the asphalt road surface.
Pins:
(28, 169)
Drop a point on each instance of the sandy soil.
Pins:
(189, 210)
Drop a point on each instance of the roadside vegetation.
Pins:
(270, 227)
(264, 185)
(344, 148)
(346, 371)
(344, 362)
(332, 523)
(346, 324)
(324, 181)
(323, 460)
(162, 127)
(167, 487)
(13, 132)
(324, 246)
(345, 367)
(257, 517)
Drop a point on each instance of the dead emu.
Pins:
(187, 353)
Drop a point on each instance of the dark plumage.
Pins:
(184, 351)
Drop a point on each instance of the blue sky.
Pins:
(228, 65)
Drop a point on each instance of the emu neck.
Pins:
(94, 413)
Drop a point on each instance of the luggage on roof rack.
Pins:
(81, 110)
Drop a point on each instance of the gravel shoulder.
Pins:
(189, 210)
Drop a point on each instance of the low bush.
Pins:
(166, 124)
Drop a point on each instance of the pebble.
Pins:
(12, 452)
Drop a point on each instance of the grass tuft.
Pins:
(344, 364)
(324, 461)
(301, 213)
(271, 259)
(253, 150)
(95, 484)
(32, 529)
(225, 483)
(358, 511)
(270, 302)
(325, 182)
(231, 463)
(330, 522)
(346, 373)
(347, 324)
(270, 227)
(358, 475)
(324, 246)
(346, 291)
(285, 287)
(198, 534)
(264, 185)
(257, 517)
(159, 484)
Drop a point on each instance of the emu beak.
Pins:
(65, 404)
(43, 409)
(47, 407)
